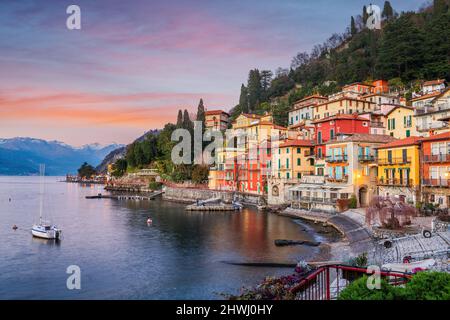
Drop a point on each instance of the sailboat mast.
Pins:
(41, 193)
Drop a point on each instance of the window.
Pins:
(287, 163)
(319, 137)
(331, 134)
(287, 150)
(405, 155)
(287, 175)
(299, 175)
(408, 133)
(299, 150)
(389, 155)
(319, 153)
(279, 163)
(298, 161)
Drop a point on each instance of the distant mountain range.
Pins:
(22, 156)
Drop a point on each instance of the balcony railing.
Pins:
(395, 182)
(366, 158)
(391, 161)
(445, 183)
(375, 124)
(436, 158)
(336, 159)
(343, 179)
(315, 200)
(432, 126)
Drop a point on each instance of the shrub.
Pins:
(155, 185)
(423, 286)
(358, 290)
(353, 202)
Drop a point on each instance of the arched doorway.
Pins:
(362, 195)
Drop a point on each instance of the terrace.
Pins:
(336, 159)
(440, 182)
(434, 158)
(393, 161)
(395, 182)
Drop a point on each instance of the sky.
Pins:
(135, 63)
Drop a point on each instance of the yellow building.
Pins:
(293, 159)
(343, 105)
(399, 169)
(401, 122)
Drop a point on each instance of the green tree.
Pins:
(243, 100)
(180, 119)
(254, 89)
(86, 171)
(401, 53)
(353, 29)
(201, 112)
(120, 167)
(365, 15)
(200, 173)
(388, 12)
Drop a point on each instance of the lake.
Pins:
(180, 256)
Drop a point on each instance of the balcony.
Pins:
(393, 161)
(436, 125)
(375, 124)
(315, 200)
(343, 179)
(336, 159)
(443, 183)
(435, 158)
(395, 182)
(366, 158)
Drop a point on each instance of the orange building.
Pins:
(216, 119)
(436, 169)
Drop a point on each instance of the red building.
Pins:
(436, 169)
(328, 128)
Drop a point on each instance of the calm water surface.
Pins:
(179, 257)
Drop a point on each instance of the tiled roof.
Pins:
(399, 106)
(297, 143)
(441, 136)
(431, 95)
(401, 143)
(214, 112)
(433, 82)
(341, 117)
(365, 137)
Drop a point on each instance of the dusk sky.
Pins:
(135, 63)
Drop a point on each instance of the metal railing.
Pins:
(327, 282)
(375, 124)
(366, 157)
(436, 158)
(395, 182)
(335, 159)
(436, 182)
(342, 179)
(391, 161)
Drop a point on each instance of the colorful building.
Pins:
(327, 129)
(343, 105)
(216, 119)
(436, 169)
(399, 169)
(401, 122)
(433, 118)
(351, 165)
(432, 86)
(290, 162)
(303, 109)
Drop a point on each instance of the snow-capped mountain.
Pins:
(22, 156)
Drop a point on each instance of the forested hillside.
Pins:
(410, 46)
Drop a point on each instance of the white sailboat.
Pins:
(44, 229)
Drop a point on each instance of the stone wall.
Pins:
(190, 195)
